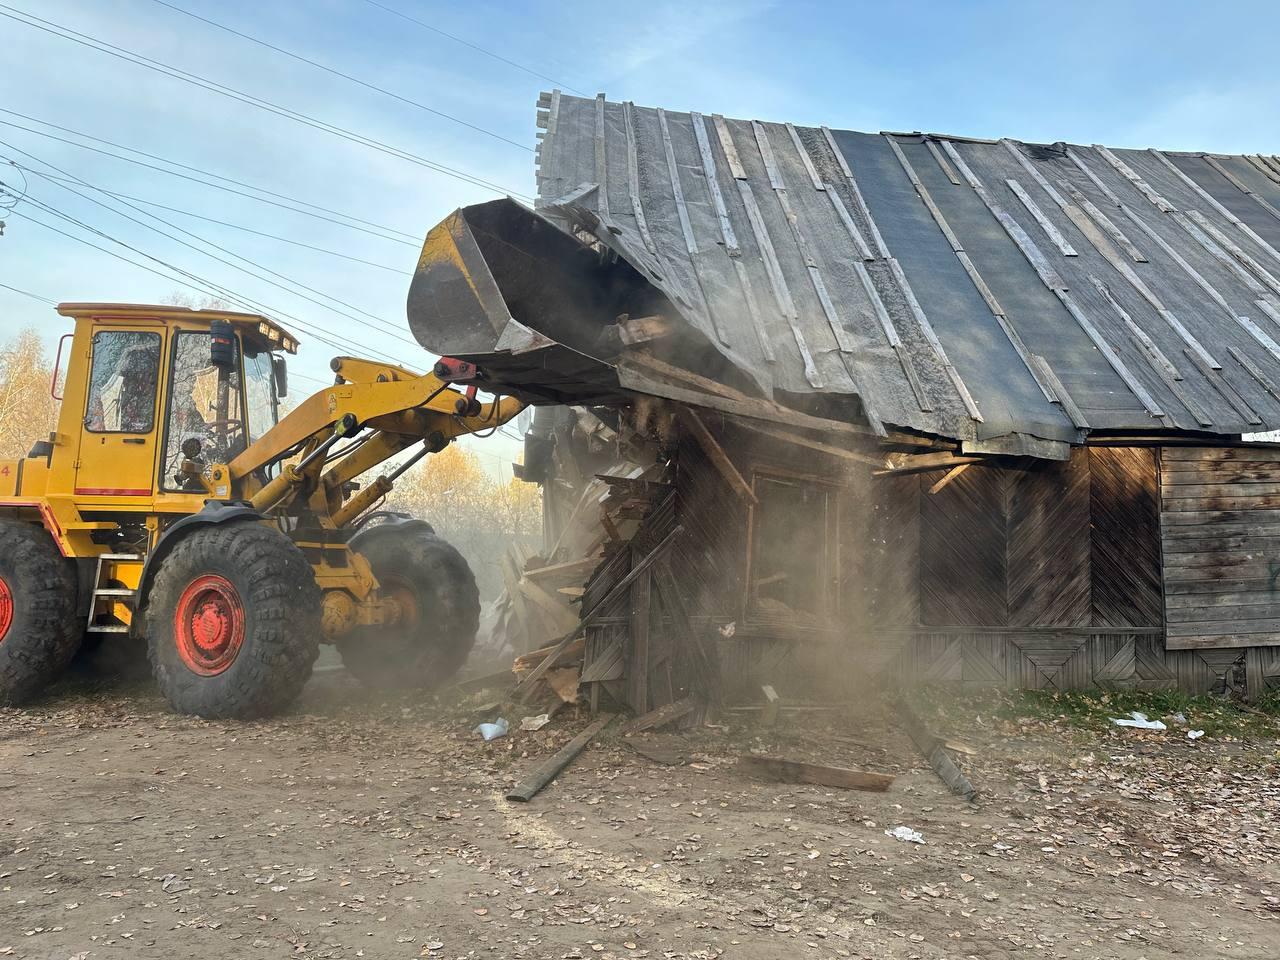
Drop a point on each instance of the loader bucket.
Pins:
(500, 285)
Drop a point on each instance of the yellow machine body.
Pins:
(107, 484)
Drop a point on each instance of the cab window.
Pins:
(122, 382)
(205, 408)
(260, 393)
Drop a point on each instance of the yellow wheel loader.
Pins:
(175, 504)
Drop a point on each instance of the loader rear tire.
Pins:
(233, 622)
(440, 607)
(39, 630)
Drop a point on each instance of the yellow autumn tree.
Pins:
(28, 410)
(477, 513)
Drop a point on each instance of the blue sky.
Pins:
(1175, 75)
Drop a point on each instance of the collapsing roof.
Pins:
(983, 291)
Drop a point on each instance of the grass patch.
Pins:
(1093, 710)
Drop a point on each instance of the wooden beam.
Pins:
(544, 773)
(948, 477)
(646, 373)
(793, 771)
(925, 462)
(799, 440)
(934, 750)
(715, 453)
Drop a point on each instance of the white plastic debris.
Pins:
(491, 731)
(1179, 717)
(1194, 734)
(1140, 721)
(535, 723)
(728, 630)
(905, 834)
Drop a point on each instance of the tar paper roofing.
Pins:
(966, 288)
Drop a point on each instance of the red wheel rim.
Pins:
(6, 609)
(208, 625)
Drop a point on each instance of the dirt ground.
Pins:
(358, 826)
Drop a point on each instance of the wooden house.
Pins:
(906, 405)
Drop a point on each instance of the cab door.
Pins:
(118, 449)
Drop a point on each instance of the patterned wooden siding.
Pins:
(1221, 538)
(963, 550)
(1045, 660)
(1124, 508)
(1048, 544)
(1068, 544)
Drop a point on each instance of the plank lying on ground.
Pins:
(668, 713)
(934, 750)
(793, 771)
(549, 769)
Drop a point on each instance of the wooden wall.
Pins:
(1093, 551)
(1044, 544)
(1222, 546)
(1033, 574)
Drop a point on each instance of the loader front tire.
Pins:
(233, 622)
(439, 604)
(39, 630)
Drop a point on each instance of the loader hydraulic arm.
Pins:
(398, 407)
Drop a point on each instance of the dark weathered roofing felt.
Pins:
(971, 289)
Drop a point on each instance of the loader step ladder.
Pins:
(110, 594)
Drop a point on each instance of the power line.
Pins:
(345, 76)
(216, 246)
(221, 223)
(28, 293)
(467, 43)
(194, 281)
(128, 56)
(411, 240)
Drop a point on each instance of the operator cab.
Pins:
(220, 375)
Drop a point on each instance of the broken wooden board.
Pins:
(781, 770)
(668, 713)
(606, 665)
(564, 683)
(568, 569)
(527, 661)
